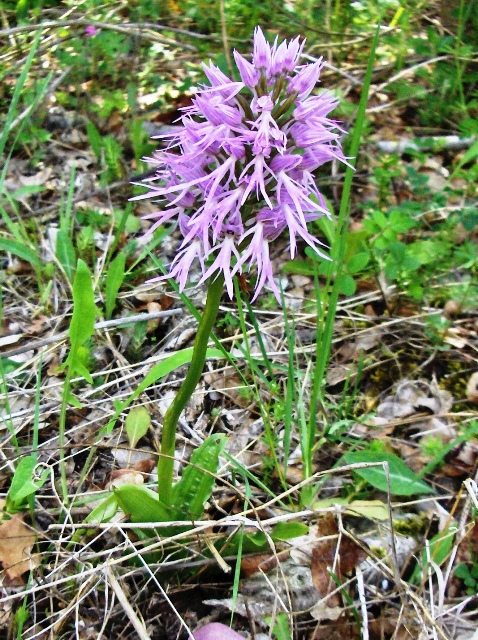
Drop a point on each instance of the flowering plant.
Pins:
(239, 171)
(234, 176)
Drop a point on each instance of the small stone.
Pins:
(472, 388)
(452, 308)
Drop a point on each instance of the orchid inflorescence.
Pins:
(239, 171)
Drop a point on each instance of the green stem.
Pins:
(168, 440)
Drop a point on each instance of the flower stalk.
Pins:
(168, 441)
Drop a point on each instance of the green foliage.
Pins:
(114, 280)
(27, 479)
(403, 482)
(137, 424)
(189, 494)
(109, 153)
(197, 481)
(436, 552)
(82, 323)
(469, 577)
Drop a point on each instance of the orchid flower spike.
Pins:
(239, 169)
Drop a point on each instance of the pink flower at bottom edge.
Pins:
(216, 631)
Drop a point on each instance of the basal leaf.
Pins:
(143, 505)
(82, 321)
(197, 481)
(114, 280)
(65, 252)
(403, 482)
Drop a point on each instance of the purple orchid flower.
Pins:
(239, 171)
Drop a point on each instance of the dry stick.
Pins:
(127, 608)
(124, 27)
(104, 324)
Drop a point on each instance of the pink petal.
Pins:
(216, 631)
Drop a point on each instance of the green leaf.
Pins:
(357, 263)
(137, 424)
(95, 139)
(20, 250)
(403, 482)
(281, 629)
(65, 252)
(143, 505)
(24, 484)
(347, 284)
(82, 322)
(284, 531)
(106, 510)
(197, 481)
(114, 280)
(438, 551)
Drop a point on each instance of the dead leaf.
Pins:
(16, 544)
(144, 466)
(261, 562)
(328, 556)
(120, 477)
(37, 325)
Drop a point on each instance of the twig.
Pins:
(95, 23)
(104, 324)
(127, 608)
(141, 29)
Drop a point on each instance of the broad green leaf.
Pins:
(347, 284)
(20, 250)
(103, 512)
(403, 482)
(24, 484)
(114, 280)
(143, 505)
(82, 321)
(357, 263)
(284, 531)
(197, 481)
(65, 252)
(137, 424)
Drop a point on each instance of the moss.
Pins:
(412, 525)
